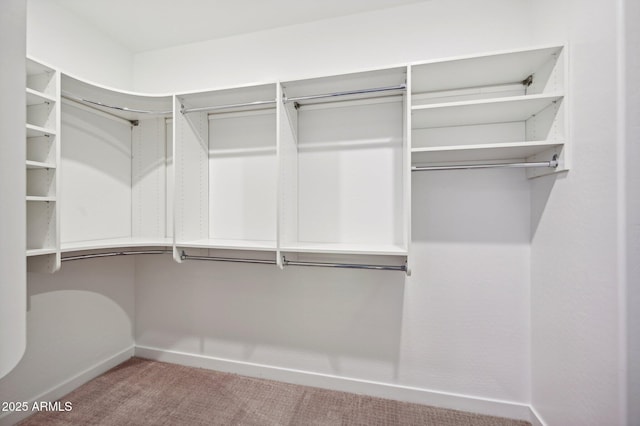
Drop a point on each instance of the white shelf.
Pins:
(40, 251)
(481, 71)
(35, 97)
(116, 243)
(480, 152)
(35, 131)
(220, 244)
(39, 165)
(500, 110)
(34, 68)
(38, 198)
(345, 248)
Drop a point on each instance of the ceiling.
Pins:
(142, 25)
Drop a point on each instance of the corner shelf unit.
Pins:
(310, 172)
(43, 156)
(115, 153)
(501, 107)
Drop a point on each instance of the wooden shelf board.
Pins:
(345, 248)
(480, 152)
(39, 198)
(35, 97)
(35, 131)
(116, 243)
(484, 111)
(480, 71)
(223, 244)
(41, 251)
(39, 165)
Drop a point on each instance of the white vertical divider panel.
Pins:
(406, 167)
(191, 171)
(57, 152)
(552, 123)
(169, 176)
(288, 173)
(149, 179)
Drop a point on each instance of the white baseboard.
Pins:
(460, 402)
(69, 385)
(536, 419)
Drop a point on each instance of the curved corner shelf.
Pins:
(115, 243)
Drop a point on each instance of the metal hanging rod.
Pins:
(286, 262)
(350, 92)
(402, 268)
(113, 253)
(125, 109)
(228, 106)
(553, 163)
(185, 256)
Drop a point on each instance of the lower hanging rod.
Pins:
(113, 253)
(286, 262)
(350, 92)
(552, 164)
(185, 256)
(402, 268)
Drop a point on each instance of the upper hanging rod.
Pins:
(113, 253)
(553, 163)
(125, 109)
(229, 106)
(350, 92)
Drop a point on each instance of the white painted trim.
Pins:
(71, 384)
(416, 395)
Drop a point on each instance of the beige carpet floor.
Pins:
(143, 392)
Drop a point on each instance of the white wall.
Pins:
(12, 184)
(632, 154)
(61, 39)
(576, 304)
(79, 322)
(460, 324)
(429, 29)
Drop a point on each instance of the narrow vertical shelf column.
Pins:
(42, 166)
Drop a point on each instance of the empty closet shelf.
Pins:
(34, 131)
(344, 248)
(116, 243)
(480, 152)
(228, 244)
(500, 110)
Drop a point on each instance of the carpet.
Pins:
(144, 392)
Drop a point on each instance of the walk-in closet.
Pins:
(389, 212)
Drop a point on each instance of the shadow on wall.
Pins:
(308, 318)
(540, 192)
(478, 206)
(76, 318)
